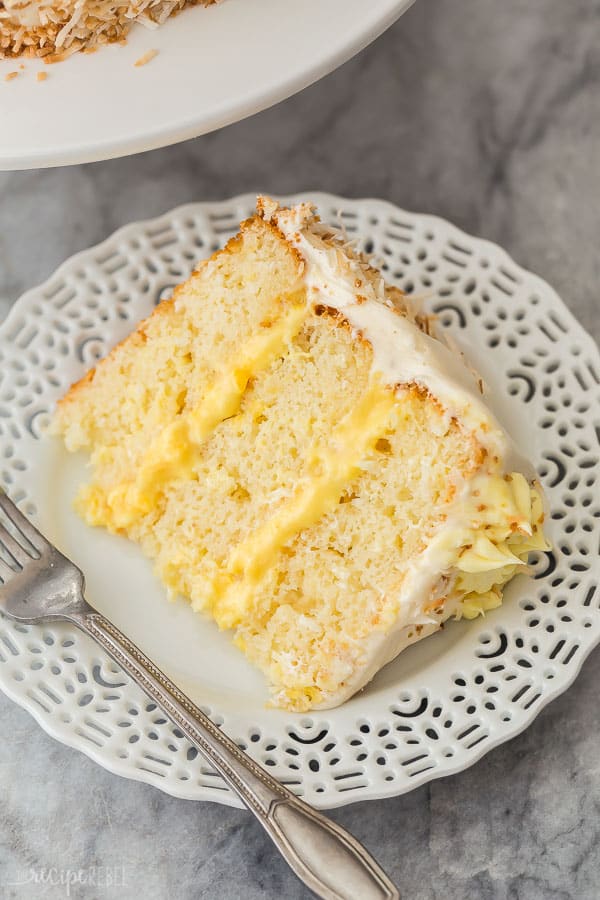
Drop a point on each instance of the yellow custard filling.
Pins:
(172, 454)
(329, 470)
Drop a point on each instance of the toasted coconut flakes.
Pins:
(41, 76)
(148, 55)
(54, 29)
(10, 75)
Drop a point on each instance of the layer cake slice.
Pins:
(303, 461)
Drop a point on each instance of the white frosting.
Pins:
(382, 648)
(420, 581)
(402, 354)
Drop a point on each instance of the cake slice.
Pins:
(302, 461)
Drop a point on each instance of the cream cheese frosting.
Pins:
(403, 354)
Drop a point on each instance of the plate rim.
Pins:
(111, 763)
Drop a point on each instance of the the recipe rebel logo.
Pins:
(105, 878)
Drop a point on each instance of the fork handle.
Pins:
(327, 858)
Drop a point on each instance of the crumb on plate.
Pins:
(146, 58)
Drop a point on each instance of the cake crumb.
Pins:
(146, 58)
(10, 75)
(41, 76)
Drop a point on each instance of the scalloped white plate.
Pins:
(215, 66)
(441, 704)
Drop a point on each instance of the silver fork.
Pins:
(39, 584)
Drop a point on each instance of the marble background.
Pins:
(486, 113)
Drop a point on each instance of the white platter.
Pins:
(442, 703)
(215, 66)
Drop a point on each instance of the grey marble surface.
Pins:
(486, 113)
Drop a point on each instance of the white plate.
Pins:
(215, 66)
(443, 702)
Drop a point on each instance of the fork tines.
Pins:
(20, 545)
